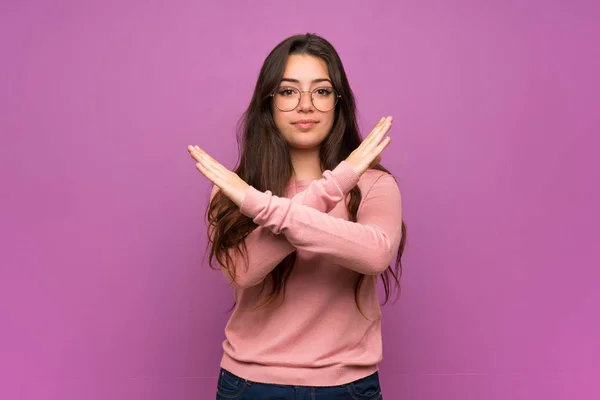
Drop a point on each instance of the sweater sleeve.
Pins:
(266, 249)
(367, 246)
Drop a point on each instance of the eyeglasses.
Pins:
(287, 98)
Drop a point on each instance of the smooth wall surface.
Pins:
(103, 290)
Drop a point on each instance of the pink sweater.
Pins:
(317, 336)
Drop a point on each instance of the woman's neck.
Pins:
(307, 164)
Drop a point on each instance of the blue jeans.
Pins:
(231, 386)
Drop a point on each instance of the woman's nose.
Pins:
(305, 101)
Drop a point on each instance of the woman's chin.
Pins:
(299, 145)
(304, 143)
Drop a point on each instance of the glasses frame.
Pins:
(312, 101)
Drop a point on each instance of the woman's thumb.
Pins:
(376, 161)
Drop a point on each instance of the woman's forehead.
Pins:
(305, 69)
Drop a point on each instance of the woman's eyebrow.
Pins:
(314, 80)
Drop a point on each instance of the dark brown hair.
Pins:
(258, 136)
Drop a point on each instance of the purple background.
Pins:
(103, 290)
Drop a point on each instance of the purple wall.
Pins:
(103, 291)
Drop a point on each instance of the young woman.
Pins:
(302, 229)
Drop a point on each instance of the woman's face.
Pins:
(304, 127)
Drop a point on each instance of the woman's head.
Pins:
(302, 67)
(306, 66)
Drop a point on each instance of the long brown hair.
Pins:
(258, 135)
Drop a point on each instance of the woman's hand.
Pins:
(368, 154)
(229, 182)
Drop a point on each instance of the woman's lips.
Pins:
(305, 124)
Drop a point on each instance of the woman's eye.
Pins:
(323, 92)
(286, 92)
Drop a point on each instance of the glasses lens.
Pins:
(324, 99)
(287, 98)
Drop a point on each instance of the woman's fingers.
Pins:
(382, 127)
(374, 139)
(369, 151)
(208, 158)
(383, 145)
(219, 170)
(228, 181)
(194, 153)
(211, 168)
(208, 170)
(200, 155)
(205, 171)
(204, 163)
